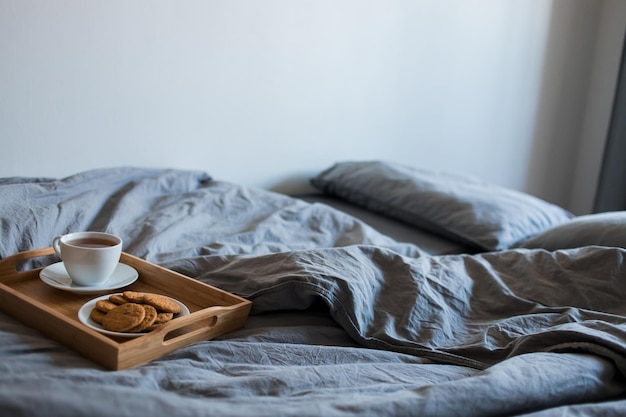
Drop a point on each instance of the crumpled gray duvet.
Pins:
(345, 320)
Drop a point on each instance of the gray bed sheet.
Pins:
(346, 320)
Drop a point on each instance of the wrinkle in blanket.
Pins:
(455, 313)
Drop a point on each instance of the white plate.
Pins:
(85, 311)
(56, 276)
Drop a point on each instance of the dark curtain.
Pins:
(611, 190)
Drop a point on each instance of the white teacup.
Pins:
(89, 257)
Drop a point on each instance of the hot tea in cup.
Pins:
(89, 257)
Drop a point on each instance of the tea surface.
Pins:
(91, 242)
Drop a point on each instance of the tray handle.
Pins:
(9, 264)
(210, 314)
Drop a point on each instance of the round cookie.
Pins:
(97, 315)
(133, 296)
(118, 299)
(124, 317)
(148, 320)
(163, 318)
(161, 303)
(105, 305)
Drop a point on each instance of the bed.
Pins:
(391, 292)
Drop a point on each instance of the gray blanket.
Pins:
(346, 321)
(471, 310)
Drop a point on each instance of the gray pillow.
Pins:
(602, 229)
(458, 207)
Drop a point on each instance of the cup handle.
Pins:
(56, 245)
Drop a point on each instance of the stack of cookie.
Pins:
(134, 312)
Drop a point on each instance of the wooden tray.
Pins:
(54, 312)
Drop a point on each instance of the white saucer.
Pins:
(85, 311)
(56, 276)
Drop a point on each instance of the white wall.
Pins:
(270, 92)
